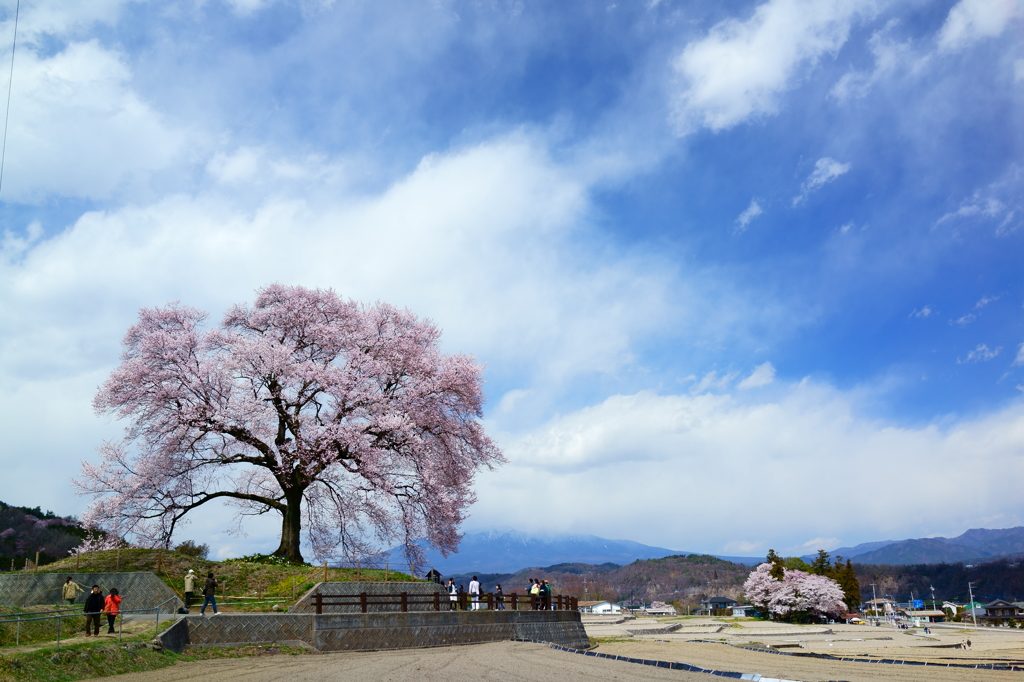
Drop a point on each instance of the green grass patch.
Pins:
(255, 576)
(86, 661)
(35, 631)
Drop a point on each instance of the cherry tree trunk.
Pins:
(291, 525)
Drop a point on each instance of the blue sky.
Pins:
(725, 262)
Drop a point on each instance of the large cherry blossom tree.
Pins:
(798, 592)
(347, 420)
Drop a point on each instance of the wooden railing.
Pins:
(439, 601)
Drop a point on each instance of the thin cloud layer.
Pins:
(597, 464)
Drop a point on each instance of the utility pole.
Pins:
(974, 612)
(932, 587)
(874, 600)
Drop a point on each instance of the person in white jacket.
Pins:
(474, 593)
(190, 587)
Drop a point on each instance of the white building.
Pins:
(599, 607)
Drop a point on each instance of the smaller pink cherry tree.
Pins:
(796, 594)
(346, 420)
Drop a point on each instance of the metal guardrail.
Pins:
(435, 601)
(74, 614)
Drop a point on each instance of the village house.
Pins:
(599, 607)
(1001, 611)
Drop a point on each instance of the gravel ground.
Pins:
(498, 661)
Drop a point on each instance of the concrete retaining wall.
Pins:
(305, 603)
(376, 631)
(139, 590)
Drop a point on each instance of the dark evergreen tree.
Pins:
(778, 565)
(821, 564)
(846, 576)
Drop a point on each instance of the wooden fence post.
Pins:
(515, 601)
(362, 601)
(386, 574)
(319, 601)
(404, 599)
(325, 570)
(437, 601)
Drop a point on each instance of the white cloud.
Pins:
(825, 171)
(891, 56)
(492, 242)
(711, 381)
(42, 20)
(741, 68)
(820, 543)
(999, 202)
(77, 128)
(749, 213)
(925, 311)
(984, 301)
(797, 446)
(980, 354)
(1020, 356)
(761, 376)
(972, 20)
(964, 320)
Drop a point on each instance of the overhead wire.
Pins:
(10, 83)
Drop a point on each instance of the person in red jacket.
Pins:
(112, 607)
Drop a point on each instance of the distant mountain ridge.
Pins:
(510, 551)
(978, 544)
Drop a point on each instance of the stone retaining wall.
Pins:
(139, 590)
(376, 631)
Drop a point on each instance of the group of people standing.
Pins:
(455, 593)
(209, 591)
(539, 591)
(96, 605)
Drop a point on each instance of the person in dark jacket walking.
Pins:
(209, 593)
(93, 609)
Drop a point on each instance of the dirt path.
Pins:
(498, 661)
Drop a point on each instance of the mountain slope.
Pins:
(923, 551)
(511, 551)
(993, 542)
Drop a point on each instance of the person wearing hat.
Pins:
(190, 587)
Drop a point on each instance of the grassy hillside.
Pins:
(239, 579)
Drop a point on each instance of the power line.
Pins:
(10, 83)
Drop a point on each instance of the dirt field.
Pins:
(499, 661)
(627, 638)
(504, 661)
(722, 657)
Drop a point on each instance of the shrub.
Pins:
(190, 548)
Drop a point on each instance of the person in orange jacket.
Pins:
(112, 607)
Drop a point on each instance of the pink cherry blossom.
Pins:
(345, 419)
(797, 592)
